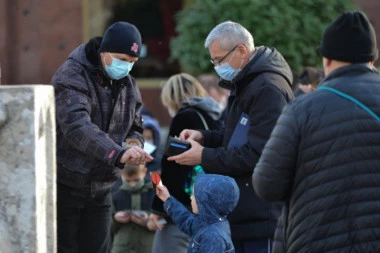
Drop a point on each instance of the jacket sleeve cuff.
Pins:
(118, 163)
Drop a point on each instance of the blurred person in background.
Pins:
(131, 203)
(323, 157)
(210, 83)
(152, 138)
(189, 106)
(260, 81)
(99, 130)
(309, 80)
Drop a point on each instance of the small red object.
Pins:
(156, 179)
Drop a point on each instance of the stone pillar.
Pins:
(27, 169)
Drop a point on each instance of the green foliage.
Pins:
(294, 27)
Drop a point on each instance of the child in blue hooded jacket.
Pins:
(214, 197)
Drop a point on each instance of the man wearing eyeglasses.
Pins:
(260, 83)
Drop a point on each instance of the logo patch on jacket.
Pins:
(111, 154)
(134, 47)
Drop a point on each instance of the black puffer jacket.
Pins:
(260, 90)
(323, 159)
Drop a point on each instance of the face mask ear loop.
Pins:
(104, 59)
(229, 62)
(241, 63)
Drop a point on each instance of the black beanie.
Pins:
(351, 38)
(122, 38)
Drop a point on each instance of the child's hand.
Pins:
(140, 218)
(162, 192)
(122, 217)
(153, 223)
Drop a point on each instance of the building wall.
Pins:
(372, 9)
(36, 36)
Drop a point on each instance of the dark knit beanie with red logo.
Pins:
(351, 38)
(122, 38)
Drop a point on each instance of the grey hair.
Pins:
(230, 34)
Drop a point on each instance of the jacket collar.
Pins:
(352, 69)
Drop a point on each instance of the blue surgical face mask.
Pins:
(118, 68)
(225, 71)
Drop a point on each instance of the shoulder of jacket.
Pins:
(185, 112)
(72, 68)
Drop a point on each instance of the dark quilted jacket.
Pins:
(94, 117)
(323, 159)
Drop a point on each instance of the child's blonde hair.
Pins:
(180, 87)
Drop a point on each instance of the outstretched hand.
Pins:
(154, 222)
(135, 155)
(162, 192)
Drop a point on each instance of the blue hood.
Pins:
(216, 196)
(151, 123)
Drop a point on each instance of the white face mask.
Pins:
(149, 141)
(171, 113)
(223, 102)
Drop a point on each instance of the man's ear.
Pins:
(243, 50)
(326, 62)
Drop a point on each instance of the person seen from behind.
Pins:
(323, 157)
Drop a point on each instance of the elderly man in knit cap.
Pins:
(99, 129)
(323, 157)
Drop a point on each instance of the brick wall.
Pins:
(372, 9)
(36, 37)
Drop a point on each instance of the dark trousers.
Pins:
(263, 246)
(83, 224)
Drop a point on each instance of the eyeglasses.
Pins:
(217, 63)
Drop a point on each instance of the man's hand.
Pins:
(162, 192)
(193, 156)
(153, 222)
(122, 217)
(187, 135)
(135, 155)
(140, 218)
